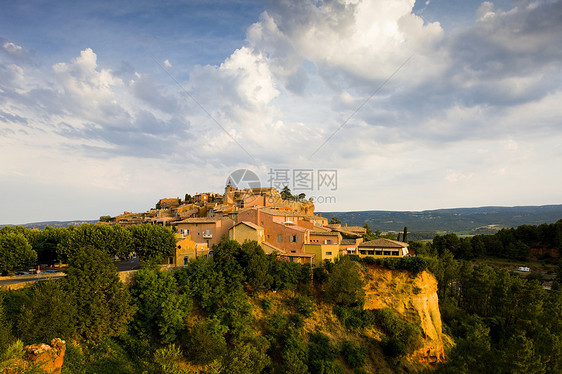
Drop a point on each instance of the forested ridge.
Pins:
(484, 220)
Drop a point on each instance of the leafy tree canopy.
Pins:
(15, 251)
(103, 305)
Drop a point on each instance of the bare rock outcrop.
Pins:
(48, 358)
(415, 299)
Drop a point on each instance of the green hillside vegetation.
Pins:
(241, 311)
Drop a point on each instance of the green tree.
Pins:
(49, 314)
(445, 270)
(294, 354)
(255, 263)
(46, 242)
(161, 309)
(472, 353)
(205, 341)
(15, 251)
(168, 359)
(6, 337)
(245, 358)
(334, 221)
(103, 305)
(405, 235)
(354, 354)
(345, 284)
(519, 356)
(369, 235)
(152, 243)
(286, 193)
(450, 242)
(321, 355)
(286, 275)
(478, 247)
(113, 240)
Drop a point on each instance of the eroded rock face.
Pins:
(413, 297)
(49, 358)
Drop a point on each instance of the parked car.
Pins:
(22, 273)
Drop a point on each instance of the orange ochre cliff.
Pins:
(414, 297)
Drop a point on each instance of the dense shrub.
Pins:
(393, 347)
(321, 355)
(304, 306)
(394, 327)
(413, 264)
(266, 304)
(352, 318)
(355, 355)
(345, 284)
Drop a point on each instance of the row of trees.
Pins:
(21, 248)
(513, 243)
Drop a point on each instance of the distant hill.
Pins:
(482, 220)
(55, 224)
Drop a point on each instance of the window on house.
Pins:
(328, 253)
(329, 241)
(185, 260)
(170, 260)
(293, 238)
(279, 238)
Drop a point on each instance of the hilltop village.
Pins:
(281, 225)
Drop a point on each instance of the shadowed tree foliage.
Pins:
(345, 284)
(113, 240)
(15, 251)
(6, 337)
(46, 243)
(152, 243)
(103, 305)
(161, 308)
(49, 314)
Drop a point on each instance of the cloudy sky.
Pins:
(107, 106)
